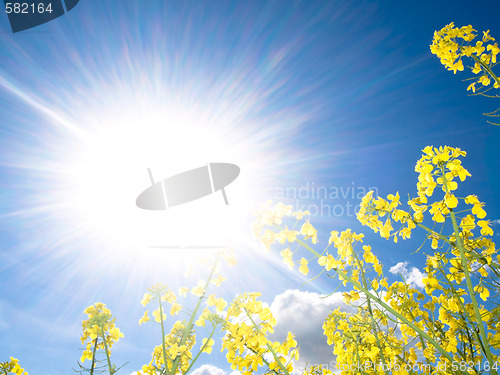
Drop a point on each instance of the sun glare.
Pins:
(101, 150)
(109, 169)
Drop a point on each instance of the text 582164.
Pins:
(26, 8)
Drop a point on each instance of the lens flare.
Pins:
(96, 163)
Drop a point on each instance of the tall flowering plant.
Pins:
(99, 334)
(248, 323)
(454, 327)
(178, 350)
(453, 45)
(12, 367)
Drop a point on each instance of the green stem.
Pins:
(93, 357)
(189, 326)
(110, 368)
(470, 288)
(422, 342)
(283, 368)
(356, 345)
(263, 360)
(164, 349)
(373, 326)
(466, 314)
(487, 68)
(201, 350)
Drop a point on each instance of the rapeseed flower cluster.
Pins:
(176, 349)
(451, 44)
(12, 367)
(269, 216)
(438, 168)
(158, 294)
(176, 353)
(398, 327)
(364, 338)
(247, 324)
(99, 332)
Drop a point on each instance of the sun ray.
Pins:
(89, 172)
(37, 104)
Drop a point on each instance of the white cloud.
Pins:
(209, 370)
(303, 314)
(413, 277)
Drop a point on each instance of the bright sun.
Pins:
(97, 150)
(109, 169)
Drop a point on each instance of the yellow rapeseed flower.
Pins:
(208, 345)
(159, 317)
(309, 231)
(175, 309)
(303, 266)
(287, 257)
(145, 318)
(485, 228)
(12, 367)
(484, 293)
(287, 235)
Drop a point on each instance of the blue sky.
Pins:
(315, 94)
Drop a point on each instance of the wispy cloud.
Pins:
(413, 277)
